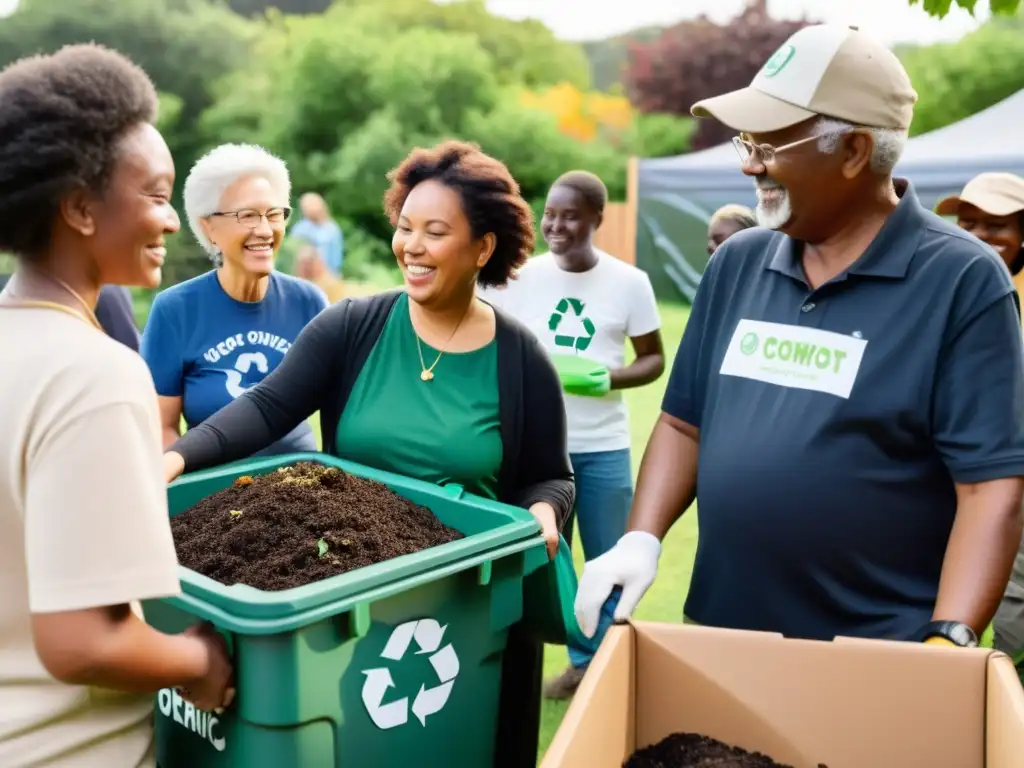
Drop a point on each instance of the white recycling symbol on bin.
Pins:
(428, 634)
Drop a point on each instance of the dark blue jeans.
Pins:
(604, 495)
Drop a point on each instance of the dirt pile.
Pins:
(691, 750)
(301, 524)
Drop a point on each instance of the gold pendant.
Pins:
(427, 375)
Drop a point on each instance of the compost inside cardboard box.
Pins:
(843, 704)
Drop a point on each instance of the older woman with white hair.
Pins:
(211, 338)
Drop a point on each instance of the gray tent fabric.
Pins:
(677, 195)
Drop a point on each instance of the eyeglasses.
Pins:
(766, 152)
(247, 217)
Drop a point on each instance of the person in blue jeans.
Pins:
(209, 339)
(580, 301)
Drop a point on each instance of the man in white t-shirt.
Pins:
(580, 301)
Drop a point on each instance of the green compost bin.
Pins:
(394, 664)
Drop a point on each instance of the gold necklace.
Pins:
(427, 374)
(89, 315)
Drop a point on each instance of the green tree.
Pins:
(259, 7)
(956, 80)
(344, 103)
(940, 8)
(184, 46)
(524, 52)
(529, 142)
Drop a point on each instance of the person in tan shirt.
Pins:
(85, 183)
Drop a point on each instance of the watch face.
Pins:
(964, 635)
(954, 631)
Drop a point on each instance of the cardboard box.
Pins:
(847, 703)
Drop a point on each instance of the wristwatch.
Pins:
(955, 632)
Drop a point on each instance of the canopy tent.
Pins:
(942, 161)
(677, 195)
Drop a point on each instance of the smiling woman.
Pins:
(85, 180)
(430, 382)
(209, 339)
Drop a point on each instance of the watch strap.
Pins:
(956, 632)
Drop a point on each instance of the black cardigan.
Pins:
(320, 369)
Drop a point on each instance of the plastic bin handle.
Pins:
(454, 490)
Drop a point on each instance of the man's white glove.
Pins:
(631, 564)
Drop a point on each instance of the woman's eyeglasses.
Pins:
(250, 218)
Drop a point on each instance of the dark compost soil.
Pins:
(301, 524)
(691, 750)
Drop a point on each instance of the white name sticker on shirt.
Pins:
(792, 356)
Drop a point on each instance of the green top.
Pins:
(442, 431)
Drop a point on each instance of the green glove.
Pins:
(580, 376)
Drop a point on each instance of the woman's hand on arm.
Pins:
(545, 515)
(112, 648)
(170, 419)
(174, 465)
(648, 365)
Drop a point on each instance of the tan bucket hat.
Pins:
(827, 70)
(997, 194)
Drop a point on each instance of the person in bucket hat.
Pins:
(991, 207)
(846, 395)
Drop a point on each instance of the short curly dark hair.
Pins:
(590, 187)
(61, 119)
(490, 199)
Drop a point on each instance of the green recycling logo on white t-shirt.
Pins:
(579, 342)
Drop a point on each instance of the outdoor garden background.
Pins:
(342, 91)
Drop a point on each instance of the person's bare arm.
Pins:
(112, 648)
(667, 482)
(170, 419)
(647, 367)
(980, 553)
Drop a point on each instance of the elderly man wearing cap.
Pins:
(848, 396)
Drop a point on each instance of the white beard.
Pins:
(775, 216)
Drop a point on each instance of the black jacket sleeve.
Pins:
(114, 311)
(293, 391)
(545, 473)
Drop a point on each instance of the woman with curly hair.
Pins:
(430, 382)
(85, 184)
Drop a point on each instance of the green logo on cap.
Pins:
(778, 61)
(748, 344)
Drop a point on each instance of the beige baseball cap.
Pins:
(828, 70)
(998, 194)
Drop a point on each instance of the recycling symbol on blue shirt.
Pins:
(427, 634)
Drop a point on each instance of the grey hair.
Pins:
(889, 143)
(217, 170)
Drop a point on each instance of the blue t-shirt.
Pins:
(326, 238)
(207, 348)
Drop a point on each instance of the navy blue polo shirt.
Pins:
(835, 422)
